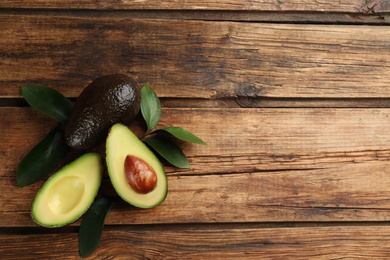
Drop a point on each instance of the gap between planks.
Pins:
(354, 6)
(73, 228)
(249, 102)
(291, 17)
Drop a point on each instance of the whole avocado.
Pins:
(107, 100)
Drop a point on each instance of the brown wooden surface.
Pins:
(218, 59)
(291, 96)
(220, 242)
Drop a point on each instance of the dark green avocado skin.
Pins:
(107, 100)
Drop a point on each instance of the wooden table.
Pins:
(292, 97)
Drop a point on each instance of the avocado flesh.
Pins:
(109, 99)
(68, 193)
(120, 143)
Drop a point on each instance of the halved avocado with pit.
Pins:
(135, 172)
(68, 193)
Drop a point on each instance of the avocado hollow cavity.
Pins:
(68, 193)
(65, 194)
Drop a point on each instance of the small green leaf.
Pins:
(150, 107)
(41, 160)
(183, 134)
(168, 150)
(48, 101)
(92, 224)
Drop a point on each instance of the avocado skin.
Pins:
(109, 99)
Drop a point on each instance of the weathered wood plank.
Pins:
(261, 165)
(368, 242)
(196, 59)
(293, 135)
(349, 193)
(364, 6)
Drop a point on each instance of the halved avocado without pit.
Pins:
(135, 172)
(68, 193)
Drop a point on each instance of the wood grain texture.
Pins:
(366, 6)
(291, 96)
(268, 165)
(205, 242)
(279, 134)
(196, 59)
(343, 194)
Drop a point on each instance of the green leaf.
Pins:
(183, 134)
(168, 150)
(48, 101)
(41, 160)
(150, 107)
(92, 224)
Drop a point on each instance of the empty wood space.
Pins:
(292, 98)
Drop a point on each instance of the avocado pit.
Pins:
(140, 175)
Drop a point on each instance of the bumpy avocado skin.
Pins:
(107, 100)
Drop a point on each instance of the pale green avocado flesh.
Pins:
(68, 193)
(121, 142)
